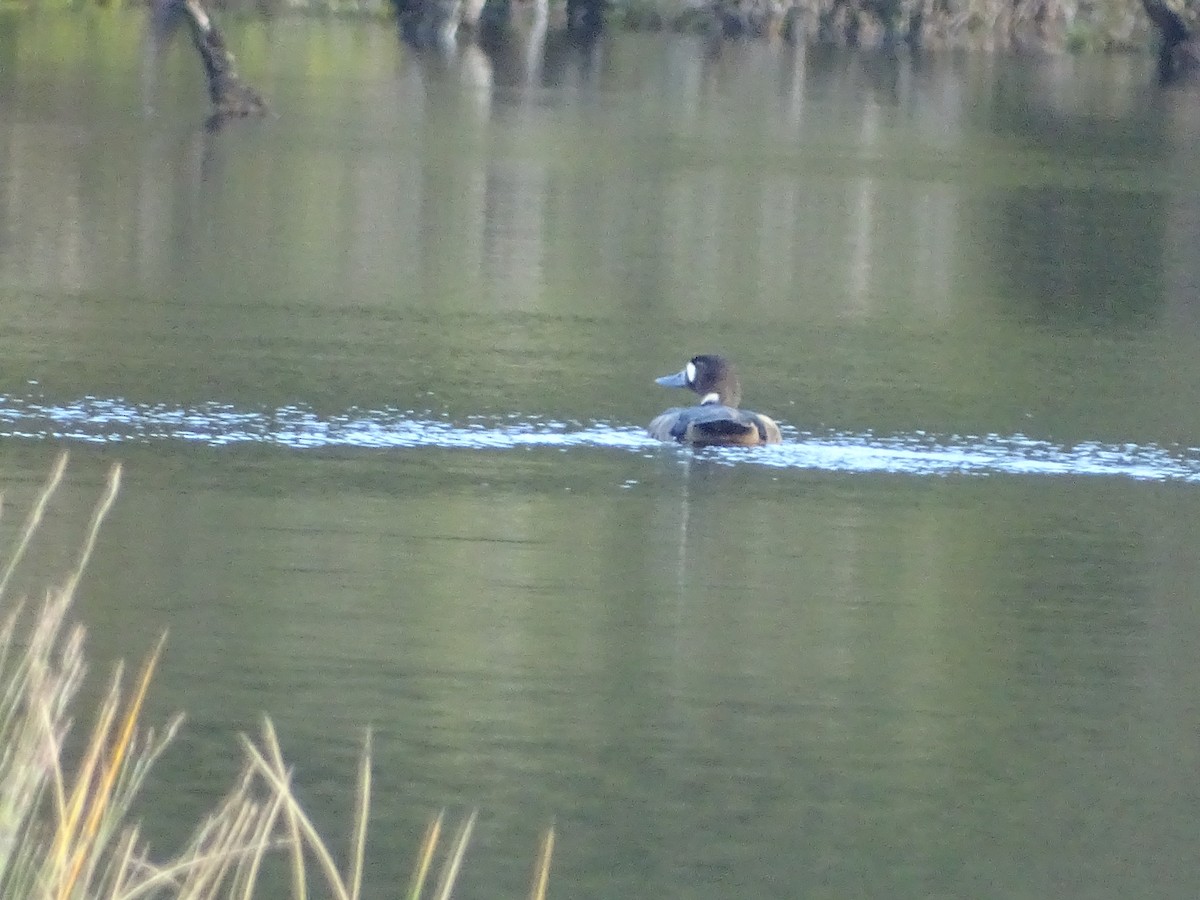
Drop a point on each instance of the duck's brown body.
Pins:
(716, 420)
(714, 425)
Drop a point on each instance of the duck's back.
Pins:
(714, 424)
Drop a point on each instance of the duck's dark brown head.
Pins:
(711, 376)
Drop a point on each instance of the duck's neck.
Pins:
(724, 397)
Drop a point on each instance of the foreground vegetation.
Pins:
(67, 825)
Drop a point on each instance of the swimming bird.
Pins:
(717, 419)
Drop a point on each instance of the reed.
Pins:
(67, 824)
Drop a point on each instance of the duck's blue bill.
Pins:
(679, 379)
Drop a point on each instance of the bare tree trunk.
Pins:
(585, 19)
(1179, 52)
(231, 97)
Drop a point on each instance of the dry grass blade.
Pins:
(277, 779)
(261, 841)
(98, 517)
(200, 877)
(39, 684)
(425, 856)
(205, 880)
(97, 798)
(362, 806)
(236, 831)
(8, 629)
(454, 861)
(33, 520)
(299, 878)
(121, 861)
(541, 867)
(73, 802)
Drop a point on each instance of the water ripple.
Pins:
(99, 420)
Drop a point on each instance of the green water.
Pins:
(376, 370)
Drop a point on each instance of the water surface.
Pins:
(378, 370)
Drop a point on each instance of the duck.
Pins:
(716, 420)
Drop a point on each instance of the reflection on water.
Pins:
(98, 421)
(879, 189)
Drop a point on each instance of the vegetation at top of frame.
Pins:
(986, 24)
(67, 826)
(1076, 25)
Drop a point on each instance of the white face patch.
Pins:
(690, 370)
(712, 397)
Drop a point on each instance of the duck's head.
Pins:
(709, 375)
